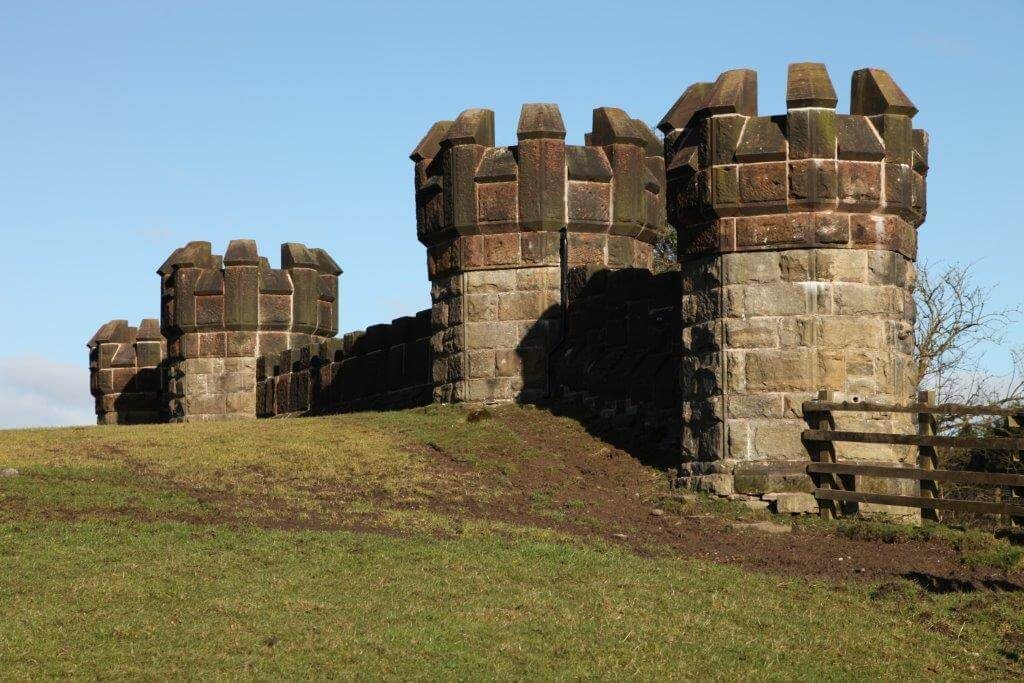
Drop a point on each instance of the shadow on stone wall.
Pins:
(615, 368)
(386, 367)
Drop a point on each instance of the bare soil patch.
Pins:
(602, 491)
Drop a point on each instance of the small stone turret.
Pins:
(797, 236)
(491, 218)
(220, 313)
(125, 373)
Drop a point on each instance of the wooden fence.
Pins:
(834, 481)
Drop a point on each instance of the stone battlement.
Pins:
(819, 174)
(382, 368)
(797, 240)
(508, 203)
(125, 373)
(219, 313)
(239, 292)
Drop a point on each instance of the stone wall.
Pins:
(797, 238)
(491, 219)
(384, 368)
(219, 314)
(126, 373)
(618, 366)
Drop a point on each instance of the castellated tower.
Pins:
(125, 374)
(220, 313)
(491, 219)
(797, 241)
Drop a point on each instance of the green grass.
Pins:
(138, 600)
(244, 551)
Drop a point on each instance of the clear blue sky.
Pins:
(129, 128)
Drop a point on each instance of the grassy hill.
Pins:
(438, 542)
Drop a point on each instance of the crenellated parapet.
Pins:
(479, 205)
(826, 180)
(491, 219)
(125, 372)
(219, 313)
(202, 292)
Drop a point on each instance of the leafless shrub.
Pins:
(955, 326)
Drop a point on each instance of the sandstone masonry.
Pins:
(797, 237)
(491, 218)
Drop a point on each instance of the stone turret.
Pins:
(797, 237)
(491, 219)
(220, 313)
(125, 373)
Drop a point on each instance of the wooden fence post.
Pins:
(825, 451)
(1013, 423)
(926, 456)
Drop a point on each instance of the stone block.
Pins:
(840, 265)
(482, 307)
(769, 231)
(542, 182)
(209, 312)
(765, 182)
(510, 363)
(720, 135)
(481, 363)
(490, 281)
(540, 247)
(842, 332)
(587, 248)
(722, 184)
(750, 268)
(738, 439)
(242, 402)
(747, 406)
(491, 335)
(796, 331)
(490, 250)
(205, 404)
(812, 133)
(859, 299)
(778, 440)
(520, 306)
(778, 370)
(493, 390)
(778, 299)
(763, 140)
(497, 202)
(795, 504)
(752, 333)
(718, 484)
(860, 183)
(795, 265)
(812, 182)
(831, 228)
(275, 311)
(241, 343)
(772, 478)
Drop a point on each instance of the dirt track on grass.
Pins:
(601, 491)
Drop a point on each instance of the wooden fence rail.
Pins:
(834, 481)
